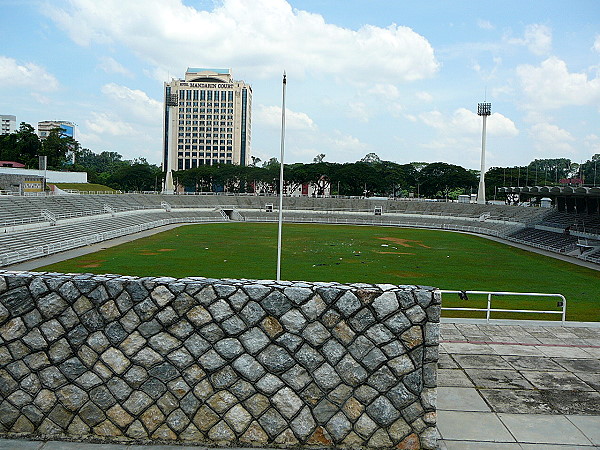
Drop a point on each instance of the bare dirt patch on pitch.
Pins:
(404, 242)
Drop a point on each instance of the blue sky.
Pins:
(400, 79)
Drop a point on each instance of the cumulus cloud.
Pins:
(358, 111)
(592, 143)
(386, 91)
(135, 102)
(346, 143)
(103, 123)
(551, 140)
(28, 75)
(424, 96)
(537, 38)
(110, 65)
(465, 122)
(597, 44)
(262, 36)
(271, 117)
(550, 85)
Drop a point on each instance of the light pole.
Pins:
(280, 221)
(484, 110)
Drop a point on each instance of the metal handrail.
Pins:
(489, 308)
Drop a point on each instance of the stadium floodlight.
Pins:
(280, 221)
(484, 110)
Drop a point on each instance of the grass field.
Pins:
(352, 254)
(86, 187)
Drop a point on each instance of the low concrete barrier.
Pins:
(222, 362)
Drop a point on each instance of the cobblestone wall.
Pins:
(219, 361)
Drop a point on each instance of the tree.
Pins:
(371, 158)
(136, 177)
(58, 148)
(22, 146)
(544, 171)
(439, 178)
(319, 158)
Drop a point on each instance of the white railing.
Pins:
(488, 310)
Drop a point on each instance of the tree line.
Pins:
(369, 176)
(65, 153)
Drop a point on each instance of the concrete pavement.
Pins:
(519, 385)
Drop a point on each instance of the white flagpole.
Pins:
(281, 183)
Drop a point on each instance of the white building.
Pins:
(207, 120)
(8, 124)
(45, 127)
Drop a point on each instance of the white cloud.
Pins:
(537, 38)
(262, 36)
(135, 102)
(597, 44)
(386, 91)
(271, 117)
(102, 123)
(592, 143)
(551, 140)
(347, 142)
(464, 122)
(358, 111)
(424, 96)
(551, 85)
(485, 24)
(28, 75)
(41, 99)
(110, 65)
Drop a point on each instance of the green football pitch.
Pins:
(356, 254)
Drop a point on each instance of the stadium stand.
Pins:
(71, 221)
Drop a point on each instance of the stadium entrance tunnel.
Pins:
(218, 362)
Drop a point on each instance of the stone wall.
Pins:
(218, 361)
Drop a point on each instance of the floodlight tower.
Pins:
(483, 109)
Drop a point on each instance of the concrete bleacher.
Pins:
(40, 241)
(103, 215)
(558, 242)
(583, 223)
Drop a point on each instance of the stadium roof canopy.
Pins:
(554, 191)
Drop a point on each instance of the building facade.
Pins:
(45, 127)
(207, 120)
(8, 124)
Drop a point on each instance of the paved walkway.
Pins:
(519, 386)
(510, 385)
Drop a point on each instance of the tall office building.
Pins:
(207, 120)
(8, 124)
(45, 127)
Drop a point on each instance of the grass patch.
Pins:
(84, 187)
(353, 254)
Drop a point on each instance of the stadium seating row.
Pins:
(82, 219)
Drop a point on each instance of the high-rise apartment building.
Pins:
(8, 124)
(207, 120)
(45, 127)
